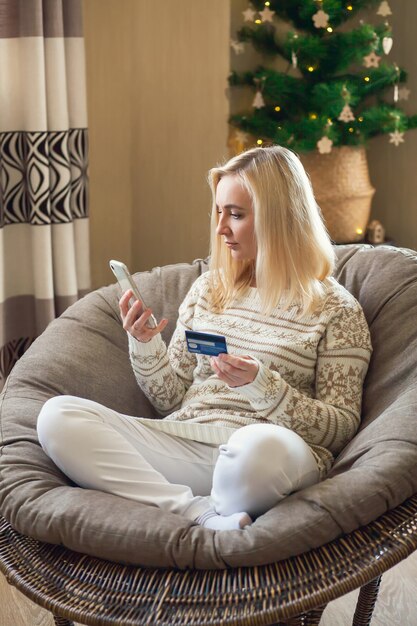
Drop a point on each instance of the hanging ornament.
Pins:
(294, 59)
(403, 93)
(324, 146)
(396, 86)
(384, 9)
(237, 46)
(267, 15)
(258, 102)
(371, 60)
(396, 138)
(346, 114)
(320, 19)
(249, 14)
(387, 44)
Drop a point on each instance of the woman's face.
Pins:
(235, 218)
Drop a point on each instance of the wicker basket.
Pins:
(342, 189)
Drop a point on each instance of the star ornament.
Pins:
(237, 46)
(267, 15)
(324, 146)
(371, 60)
(396, 138)
(320, 19)
(249, 14)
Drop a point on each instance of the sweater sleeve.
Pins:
(164, 374)
(330, 418)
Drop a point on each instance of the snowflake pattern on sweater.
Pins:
(310, 377)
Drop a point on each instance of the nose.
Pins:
(222, 225)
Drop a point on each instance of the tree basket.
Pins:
(342, 189)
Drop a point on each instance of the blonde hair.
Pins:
(294, 251)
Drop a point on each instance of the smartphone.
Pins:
(205, 343)
(126, 282)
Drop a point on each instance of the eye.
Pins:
(236, 216)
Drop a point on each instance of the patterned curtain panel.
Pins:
(44, 239)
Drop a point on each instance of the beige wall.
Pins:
(157, 106)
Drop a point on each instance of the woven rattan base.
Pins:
(293, 591)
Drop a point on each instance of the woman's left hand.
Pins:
(235, 371)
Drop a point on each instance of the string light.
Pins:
(258, 21)
(267, 4)
(359, 231)
(313, 116)
(360, 119)
(367, 79)
(349, 7)
(259, 142)
(310, 68)
(351, 129)
(277, 108)
(329, 29)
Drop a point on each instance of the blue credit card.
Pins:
(205, 343)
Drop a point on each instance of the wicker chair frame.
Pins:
(294, 591)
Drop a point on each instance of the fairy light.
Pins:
(360, 119)
(313, 116)
(359, 231)
(329, 29)
(367, 79)
(259, 142)
(258, 21)
(351, 129)
(310, 68)
(277, 108)
(267, 4)
(349, 7)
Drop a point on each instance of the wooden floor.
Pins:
(396, 606)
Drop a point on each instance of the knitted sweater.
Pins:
(310, 377)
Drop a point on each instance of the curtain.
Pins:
(44, 236)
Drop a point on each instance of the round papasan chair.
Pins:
(101, 559)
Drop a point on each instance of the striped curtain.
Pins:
(44, 237)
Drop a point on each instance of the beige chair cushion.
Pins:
(84, 353)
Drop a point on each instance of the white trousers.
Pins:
(98, 448)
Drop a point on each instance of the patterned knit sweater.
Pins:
(310, 377)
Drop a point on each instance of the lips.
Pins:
(231, 244)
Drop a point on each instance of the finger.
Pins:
(134, 313)
(230, 378)
(228, 367)
(142, 316)
(237, 362)
(160, 327)
(124, 301)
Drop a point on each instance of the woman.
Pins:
(244, 429)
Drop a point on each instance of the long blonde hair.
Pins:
(294, 251)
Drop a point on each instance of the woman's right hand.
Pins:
(135, 319)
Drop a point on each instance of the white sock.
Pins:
(211, 519)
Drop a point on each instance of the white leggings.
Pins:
(98, 448)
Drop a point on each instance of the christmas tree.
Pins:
(338, 88)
